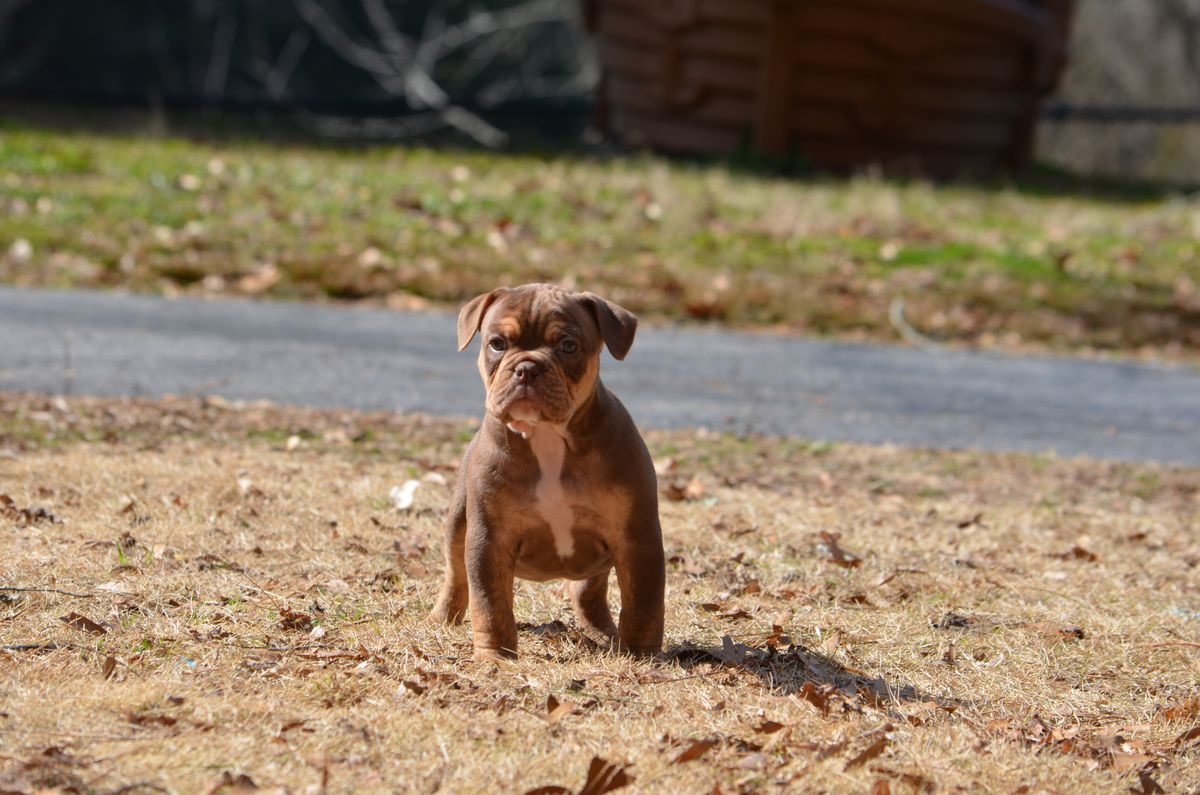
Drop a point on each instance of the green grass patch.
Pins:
(1050, 264)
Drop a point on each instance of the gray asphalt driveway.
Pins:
(110, 344)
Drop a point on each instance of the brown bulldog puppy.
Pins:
(557, 483)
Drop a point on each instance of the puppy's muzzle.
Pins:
(525, 372)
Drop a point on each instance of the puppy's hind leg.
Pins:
(452, 602)
(590, 600)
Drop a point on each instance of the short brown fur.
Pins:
(539, 360)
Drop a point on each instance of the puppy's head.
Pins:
(540, 352)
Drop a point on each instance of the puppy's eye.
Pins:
(568, 345)
(498, 344)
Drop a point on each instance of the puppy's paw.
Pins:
(449, 609)
(493, 655)
(641, 652)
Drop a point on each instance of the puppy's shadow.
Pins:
(787, 671)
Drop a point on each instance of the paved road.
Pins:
(108, 344)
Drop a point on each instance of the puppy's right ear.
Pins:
(470, 318)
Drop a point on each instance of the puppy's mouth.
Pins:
(522, 416)
(524, 406)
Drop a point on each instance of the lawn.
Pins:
(1047, 264)
(201, 597)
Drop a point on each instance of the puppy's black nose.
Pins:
(525, 372)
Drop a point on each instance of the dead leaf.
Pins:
(777, 638)
(1185, 710)
(83, 623)
(694, 750)
(817, 698)
(604, 776)
(1147, 785)
(834, 553)
(557, 710)
(954, 621)
(1077, 552)
(768, 727)
(867, 754)
(1188, 738)
(149, 719)
(411, 686)
(881, 787)
(916, 783)
(1049, 628)
(295, 621)
(28, 516)
(977, 519)
(109, 668)
(678, 491)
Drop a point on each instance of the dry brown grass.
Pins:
(259, 609)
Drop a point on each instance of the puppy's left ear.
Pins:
(470, 317)
(617, 325)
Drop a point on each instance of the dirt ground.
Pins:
(204, 597)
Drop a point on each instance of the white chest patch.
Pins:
(550, 448)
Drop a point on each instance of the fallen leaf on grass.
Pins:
(602, 776)
(977, 519)
(28, 516)
(777, 637)
(1188, 738)
(83, 623)
(295, 621)
(954, 621)
(1147, 785)
(881, 787)
(818, 698)
(1185, 710)
(149, 719)
(694, 750)
(557, 710)
(1051, 629)
(916, 783)
(768, 727)
(109, 668)
(679, 491)
(867, 754)
(833, 552)
(1077, 553)
(411, 686)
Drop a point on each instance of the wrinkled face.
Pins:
(540, 356)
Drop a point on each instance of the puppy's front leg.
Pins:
(452, 602)
(490, 577)
(641, 576)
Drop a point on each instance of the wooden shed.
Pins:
(940, 87)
